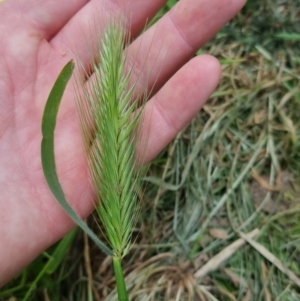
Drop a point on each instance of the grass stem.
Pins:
(121, 286)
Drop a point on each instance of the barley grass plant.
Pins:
(111, 104)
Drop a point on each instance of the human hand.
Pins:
(37, 39)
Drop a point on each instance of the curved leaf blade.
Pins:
(47, 151)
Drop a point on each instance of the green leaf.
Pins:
(288, 36)
(53, 262)
(60, 252)
(47, 151)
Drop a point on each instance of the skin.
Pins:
(38, 38)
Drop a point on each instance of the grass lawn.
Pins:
(221, 216)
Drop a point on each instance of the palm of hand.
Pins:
(29, 67)
(32, 53)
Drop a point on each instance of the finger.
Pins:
(78, 37)
(165, 47)
(47, 17)
(173, 107)
(178, 35)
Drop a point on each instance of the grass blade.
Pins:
(54, 261)
(60, 252)
(47, 151)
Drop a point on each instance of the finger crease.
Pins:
(182, 35)
(160, 110)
